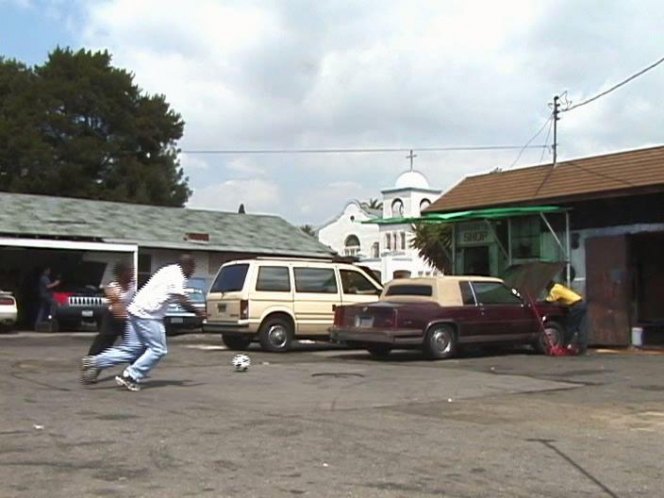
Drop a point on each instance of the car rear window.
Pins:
(409, 290)
(231, 278)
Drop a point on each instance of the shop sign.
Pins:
(474, 234)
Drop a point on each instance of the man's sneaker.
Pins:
(128, 382)
(87, 362)
(89, 375)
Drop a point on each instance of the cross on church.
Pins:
(411, 156)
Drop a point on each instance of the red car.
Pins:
(438, 314)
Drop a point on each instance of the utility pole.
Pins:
(556, 111)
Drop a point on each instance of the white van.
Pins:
(278, 300)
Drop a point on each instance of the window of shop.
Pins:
(526, 238)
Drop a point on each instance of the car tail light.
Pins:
(390, 320)
(244, 309)
(339, 316)
(7, 301)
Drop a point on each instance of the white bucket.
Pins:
(637, 337)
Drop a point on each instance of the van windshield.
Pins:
(230, 278)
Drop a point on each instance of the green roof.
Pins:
(475, 214)
(153, 226)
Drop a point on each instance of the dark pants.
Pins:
(111, 329)
(45, 311)
(576, 324)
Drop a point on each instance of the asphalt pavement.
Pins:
(329, 422)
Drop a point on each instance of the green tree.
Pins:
(309, 230)
(78, 127)
(433, 242)
(374, 204)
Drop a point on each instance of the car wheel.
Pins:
(379, 351)
(553, 335)
(440, 342)
(236, 342)
(54, 325)
(276, 335)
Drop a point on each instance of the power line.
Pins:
(361, 150)
(615, 87)
(528, 146)
(546, 140)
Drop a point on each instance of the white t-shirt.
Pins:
(125, 296)
(163, 288)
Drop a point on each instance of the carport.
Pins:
(23, 259)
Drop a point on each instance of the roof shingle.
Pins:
(153, 226)
(606, 174)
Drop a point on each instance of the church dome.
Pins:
(412, 179)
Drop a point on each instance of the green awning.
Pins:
(473, 214)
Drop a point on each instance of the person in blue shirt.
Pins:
(45, 290)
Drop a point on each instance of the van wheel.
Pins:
(440, 342)
(236, 342)
(379, 351)
(276, 335)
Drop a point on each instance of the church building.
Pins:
(384, 248)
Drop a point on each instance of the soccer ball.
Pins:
(241, 362)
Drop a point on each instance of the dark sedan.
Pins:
(437, 314)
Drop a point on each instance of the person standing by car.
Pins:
(576, 317)
(145, 343)
(45, 290)
(119, 293)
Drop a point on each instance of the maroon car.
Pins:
(437, 314)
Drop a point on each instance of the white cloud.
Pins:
(258, 196)
(191, 163)
(251, 74)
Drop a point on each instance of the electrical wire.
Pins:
(614, 87)
(528, 146)
(361, 150)
(546, 140)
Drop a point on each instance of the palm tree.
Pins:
(433, 242)
(374, 204)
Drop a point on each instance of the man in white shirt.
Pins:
(145, 344)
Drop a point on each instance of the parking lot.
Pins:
(326, 422)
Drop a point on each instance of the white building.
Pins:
(383, 248)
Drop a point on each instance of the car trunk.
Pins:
(366, 316)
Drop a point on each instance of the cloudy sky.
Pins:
(296, 74)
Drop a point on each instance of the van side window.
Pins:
(315, 280)
(353, 282)
(273, 279)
